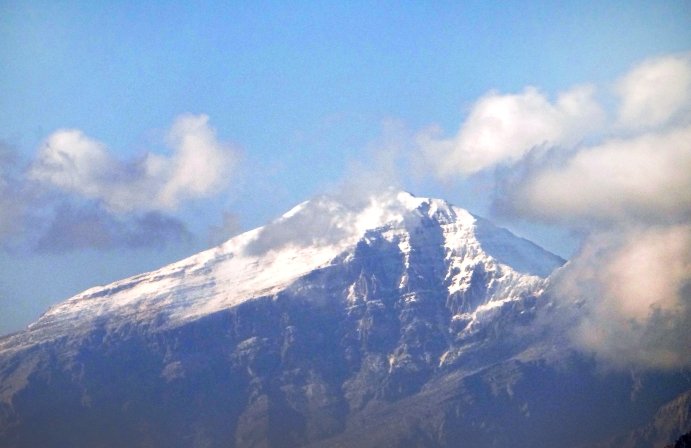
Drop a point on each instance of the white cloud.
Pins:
(622, 178)
(648, 271)
(75, 163)
(504, 128)
(198, 166)
(655, 93)
(633, 285)
(644, 178)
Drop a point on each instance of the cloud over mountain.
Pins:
(621, 176)
(631, 288)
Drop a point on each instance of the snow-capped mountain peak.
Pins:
(390, 320)
(316, 235)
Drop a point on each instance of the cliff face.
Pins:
(400, 322)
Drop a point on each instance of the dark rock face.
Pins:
(344, 357)
(683, 441)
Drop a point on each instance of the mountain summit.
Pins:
(388, 321)
(315, 236)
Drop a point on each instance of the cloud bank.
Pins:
(621, 176)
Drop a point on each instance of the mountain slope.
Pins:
(669, 422)
(395, 321)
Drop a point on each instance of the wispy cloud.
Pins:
(654, 94)
(11, 195)
(327, 218)
(228, 227)
(383, 164)
(621, 176)
(321, 221)
(87, 226)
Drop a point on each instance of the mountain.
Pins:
(389, 321)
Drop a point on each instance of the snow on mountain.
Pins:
(311, 236)
(387, 321)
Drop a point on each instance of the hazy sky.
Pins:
(135, 133)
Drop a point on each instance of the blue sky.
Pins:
(298, 93)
